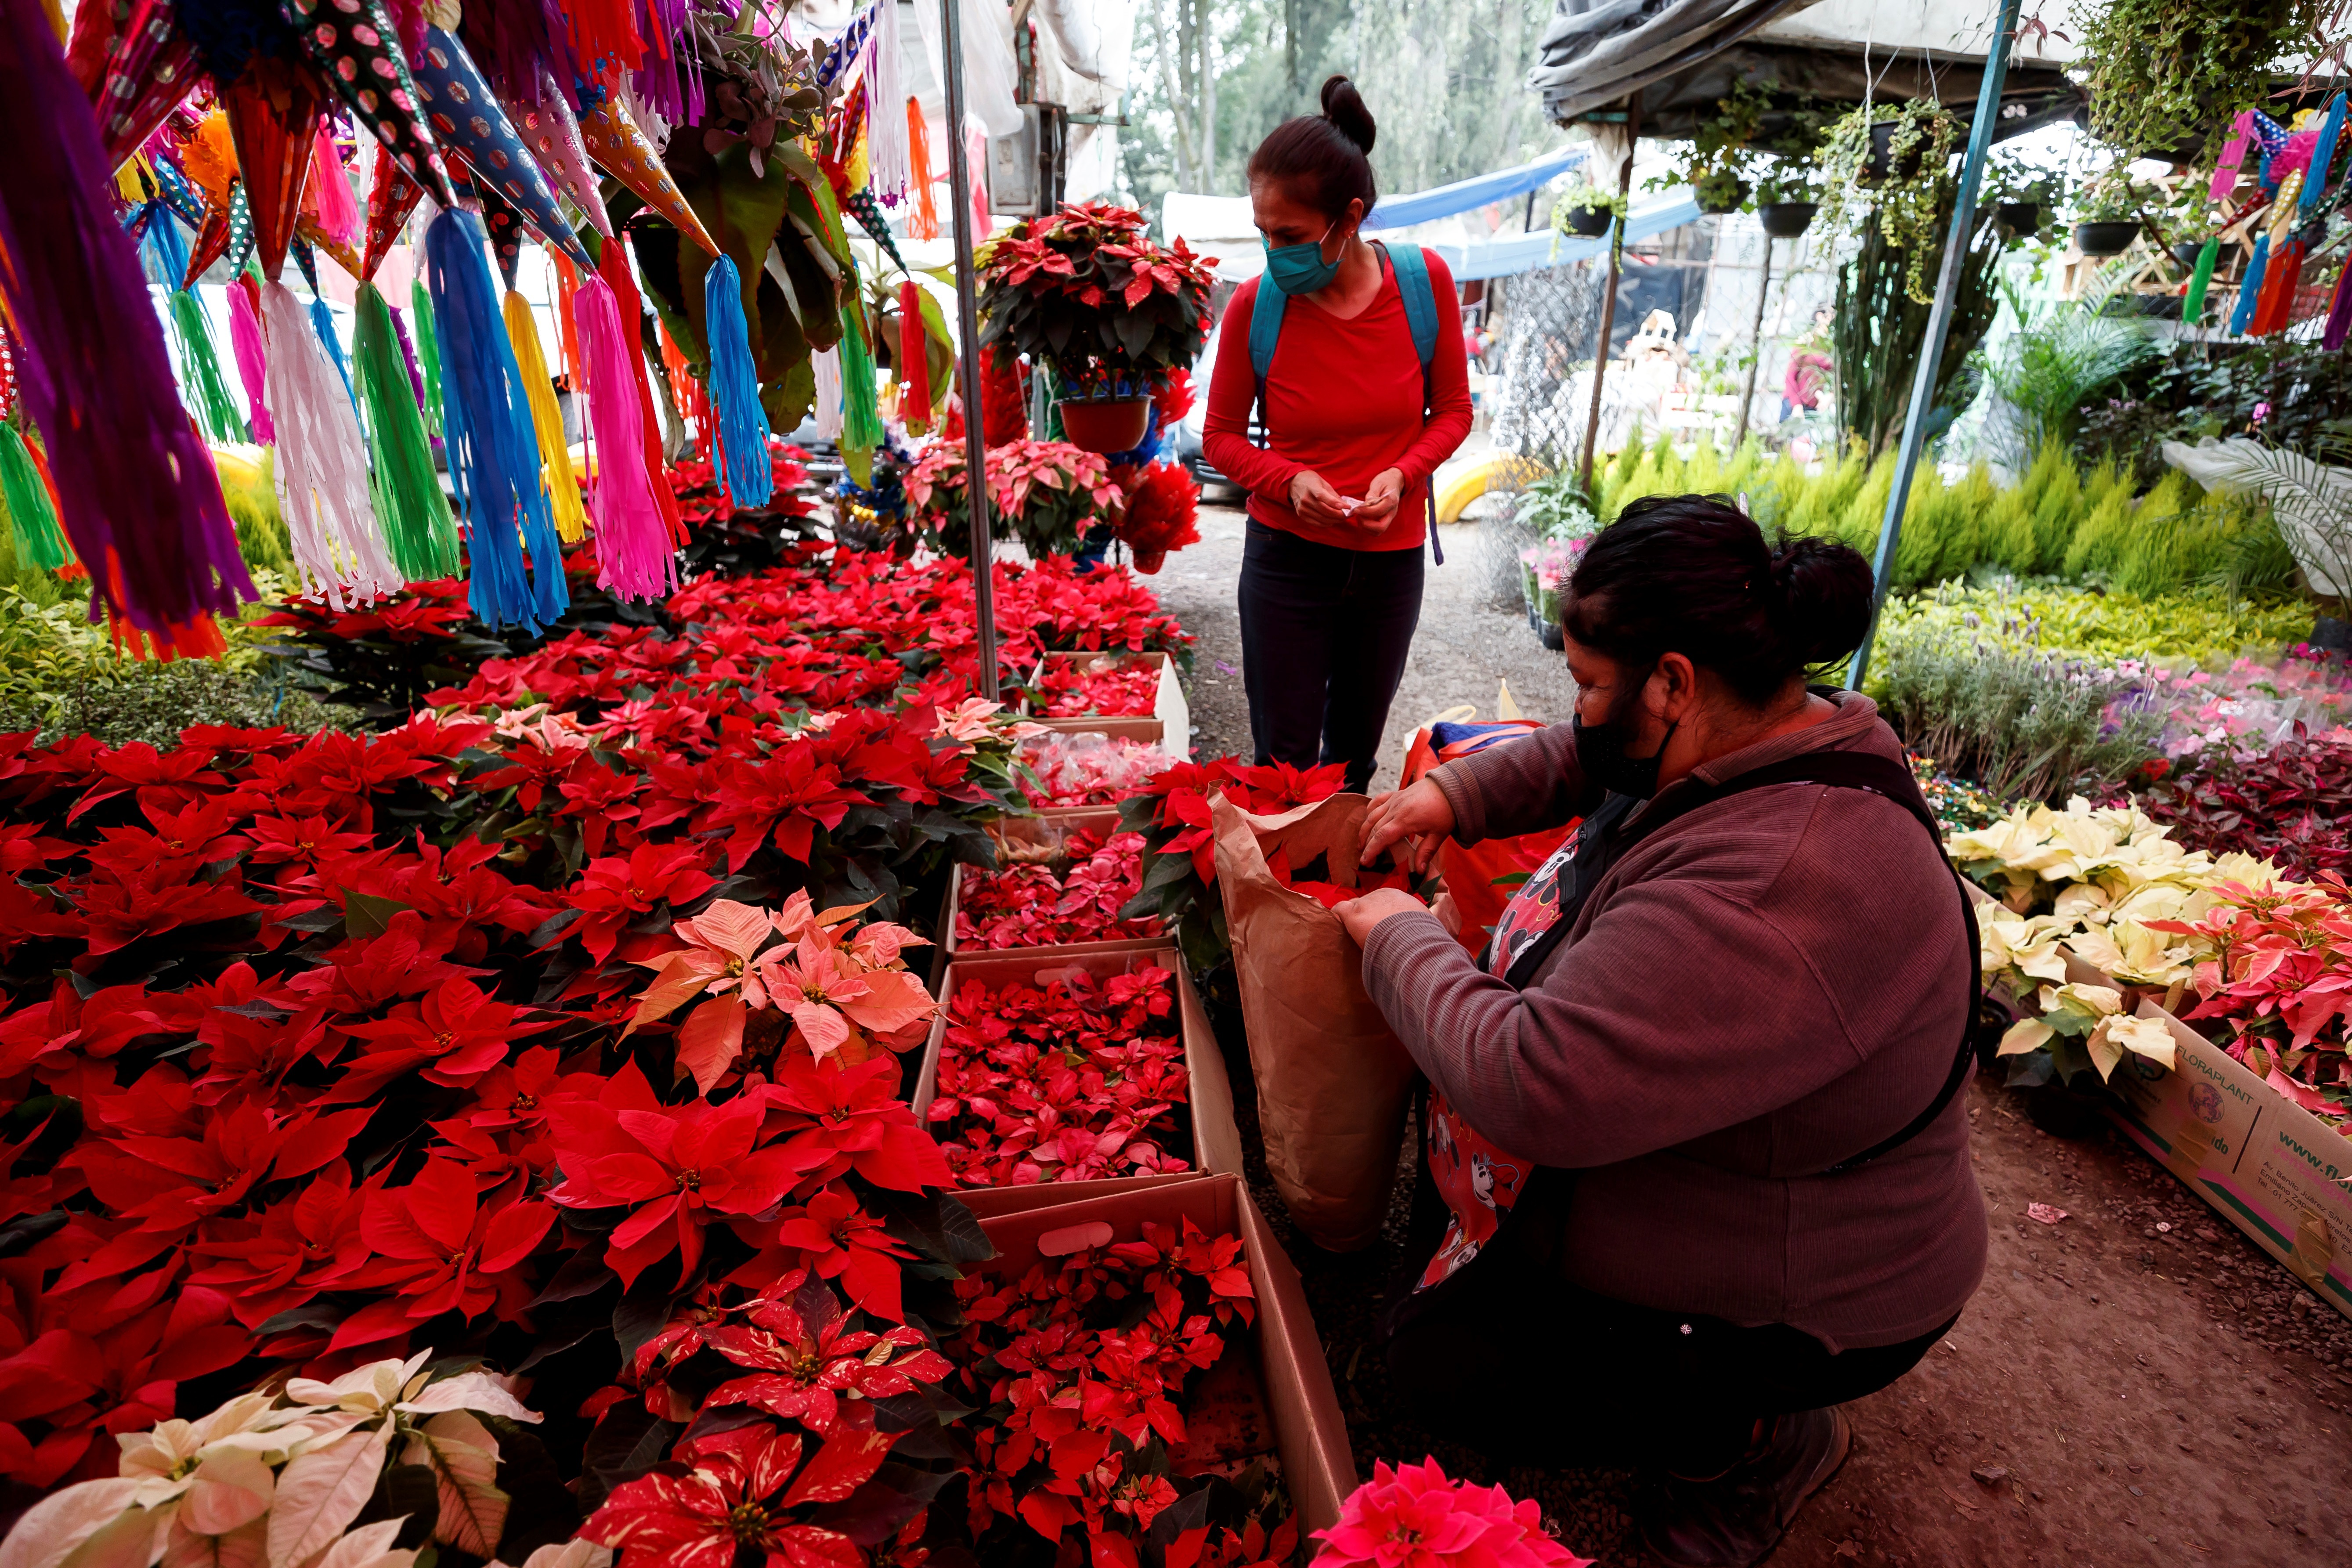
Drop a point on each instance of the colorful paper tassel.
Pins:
(2250, 288)
(632, 536)
(321, 470)
(139, 498)
(2200, 278)
(331, 188)
(30, 514)
(925, 223)
(417, 526)
(516, 577)
(215, 409)
(613, 267)
(252, 357)
(2280, 281)
(2339, 314)
(428, 349)
(735, 386)
(556, 477)
(914, 365)
(2323, 154)
(861, 419)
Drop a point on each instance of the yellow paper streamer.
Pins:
(547, 421)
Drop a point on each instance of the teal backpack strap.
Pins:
(1411, 264)
(1266, 332)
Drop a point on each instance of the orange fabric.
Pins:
(1481, 876)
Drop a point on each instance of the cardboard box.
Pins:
(2273, 1169)
(1291, 1379)
(1217, 1141)
(1053, 829)
(1169, 724)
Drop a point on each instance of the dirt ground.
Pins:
(2135, 1384)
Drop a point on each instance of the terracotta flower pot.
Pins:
(1105, 424)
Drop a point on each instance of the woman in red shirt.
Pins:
(1331, 583)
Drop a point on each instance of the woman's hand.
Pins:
(1360, 915)
(1316, 501)
(1421, 813)
(1381, 498)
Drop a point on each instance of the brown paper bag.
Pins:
(1333, 1080)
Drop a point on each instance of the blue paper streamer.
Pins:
(2251, 290)
(2323, 152)
(322, 322)
(485, 427)
(735, 386)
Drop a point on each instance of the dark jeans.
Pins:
(1551, 1375)
(1324, 634)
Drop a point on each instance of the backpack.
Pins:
(1412, 267)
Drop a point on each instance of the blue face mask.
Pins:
(1300, 269)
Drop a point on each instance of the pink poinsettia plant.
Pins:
(843, 989)
(1413, 1516)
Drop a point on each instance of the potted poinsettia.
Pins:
(1086, 293)
(1050, 491)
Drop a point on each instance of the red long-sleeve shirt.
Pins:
(1342, 398)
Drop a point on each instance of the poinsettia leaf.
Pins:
(841, 1466)
(711, 1040)
(627, 1442)
(320, 1492)
(464, 1457)
(874, 1512)
(45, 1533)
(365, 914)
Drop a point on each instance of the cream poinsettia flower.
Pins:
(2147, 1037)
(2082, 1001)
(2028, 946)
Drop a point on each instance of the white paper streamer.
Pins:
(885, 107)
(829, 394)
(321, 466)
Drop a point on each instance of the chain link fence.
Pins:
(1551, 319)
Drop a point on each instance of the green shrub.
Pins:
(2099, 539)
(261, 536)
(2201, 629)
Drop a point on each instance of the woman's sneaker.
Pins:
(1736, 1519)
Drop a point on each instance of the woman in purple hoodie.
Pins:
(1695, 1161)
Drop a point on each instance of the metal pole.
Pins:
(1755, 347)
(1939, 322)
(975, 437)
(1609, 300)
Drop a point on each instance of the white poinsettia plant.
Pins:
(279, 1480)
(2085, 882)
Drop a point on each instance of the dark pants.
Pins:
(1549, 1375)
(1324, 634)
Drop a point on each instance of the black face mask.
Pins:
(1600, 751)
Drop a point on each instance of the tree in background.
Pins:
(1446, 79)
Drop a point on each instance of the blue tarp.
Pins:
(1467, 196)
(1526, 252)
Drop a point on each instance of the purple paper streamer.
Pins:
(139, 498)
(408, 353)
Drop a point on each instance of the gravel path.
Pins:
(2137, 1384)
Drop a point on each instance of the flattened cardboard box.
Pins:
(1209, 1094)
(1292, 1382)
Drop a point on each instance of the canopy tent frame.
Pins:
(967, 372)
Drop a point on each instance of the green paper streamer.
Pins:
(428, 351)
(36, 521)
(2193, 308)
(861, 418)
(201, 371)
(417, 523)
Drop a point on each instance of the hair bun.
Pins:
(1343, 106)
(1820, 597)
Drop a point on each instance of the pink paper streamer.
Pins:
(2233, 155)
(338, 210)
(633, 544)
(252, 360)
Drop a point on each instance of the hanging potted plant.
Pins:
(1786, 202)
(1088, 293)
(1897, 157)
(1585, 208)
(2109, 214)
(2167, 78)
(2022, 199)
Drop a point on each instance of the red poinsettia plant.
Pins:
(1163, 504)
(1086, 290)
(1171, 811)
(2280, 984)
(1030, 905)
(1075, 1080)
(1416, 1514)
(1083, 1366)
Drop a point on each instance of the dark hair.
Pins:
(1694, 575)
(1323, 159)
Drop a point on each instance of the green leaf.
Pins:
(365, 915)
